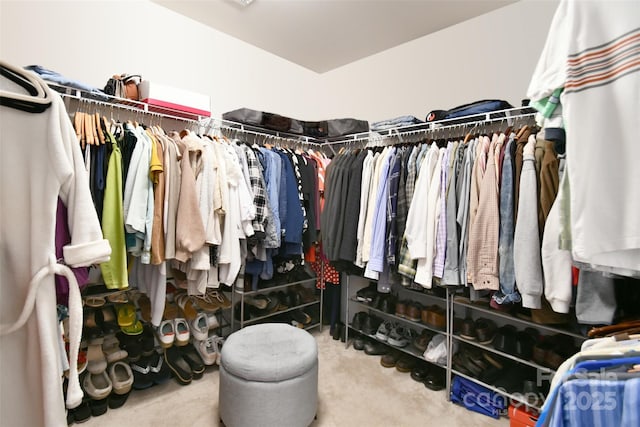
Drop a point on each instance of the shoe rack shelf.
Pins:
(513, 319)
(514, 397)
(275, 313)
(468, 307)
(243, 294)
(503, 354)
(408, 349)
(413, 323)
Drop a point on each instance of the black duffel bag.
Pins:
(246, 116)
(341, 127)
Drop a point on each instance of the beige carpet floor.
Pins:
(354, 390)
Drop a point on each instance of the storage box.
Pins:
(520, 417)
(161, 97)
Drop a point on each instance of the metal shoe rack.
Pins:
(457, 309)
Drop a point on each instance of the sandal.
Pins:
(126, 315)
(94, 301)
(118, 297)
(133, 329)
(96, 362)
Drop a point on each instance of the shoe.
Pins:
(505, 339)
(420, 372)
(358, 342)
(371, 324)
(126, 314)
(207, 350)
(295, 297)
(406, 364)
(397, 336)
(390, 359)
(147, 340)
(82, 412)
(134, 329)
(435, 380)
(180, 368)
(121, 377)
(388, 304)
(421, 342)
(142, 376)
(205, 303)
(258, 301)
(367, 294)
(401, 309)
(97, 386)
(217, 296)
(166, 333)
(98, 407)
(435, 317)
(300, 316)
(112, 351)
(182, 333)
(358, 320)
(374, 348)
(485, 330)
(193, 359)
(186, 304)
(524, 345)
(468, 329)
(413, 310)
(383, 331)
(116, 401)
(158, 369)
(202, 324)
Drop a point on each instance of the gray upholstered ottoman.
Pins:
(269, 377)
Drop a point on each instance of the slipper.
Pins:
(126, 315)
(97, 386)
(96, 362)
(142, 376)
(94, 301)
(118, 297)
(144, 304)
(112, 351)
(193, 359)
(147, 340)
(159, 369)
(133, 329)
(98, 407)
(121, 377)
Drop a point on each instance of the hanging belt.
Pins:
(74, 392)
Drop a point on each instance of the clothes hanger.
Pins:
(39, 98)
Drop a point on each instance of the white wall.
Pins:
(491, 56)
(91, 40)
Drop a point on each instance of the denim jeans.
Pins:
(508, 292)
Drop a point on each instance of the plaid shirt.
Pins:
(406, 265)
(258, 188)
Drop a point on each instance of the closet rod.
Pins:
(507, 114)
(259, 131)
(123, 104)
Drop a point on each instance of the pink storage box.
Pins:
(161, 97)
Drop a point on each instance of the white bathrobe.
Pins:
(40, 159)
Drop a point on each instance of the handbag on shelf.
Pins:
(124, 86)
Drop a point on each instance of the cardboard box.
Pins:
(520, 417)
(161, 97)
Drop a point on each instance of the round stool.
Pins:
(269, 377)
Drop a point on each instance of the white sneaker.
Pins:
(166, 333)
(182, 331)
(201, 325)
(207, 350)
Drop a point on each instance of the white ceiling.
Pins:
(325, 34)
